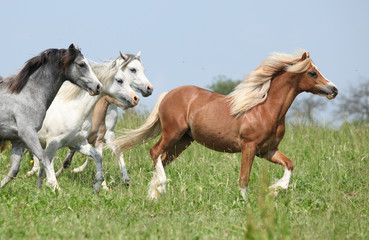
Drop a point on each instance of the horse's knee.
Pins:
(289, 165)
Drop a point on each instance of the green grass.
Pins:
(327, 197)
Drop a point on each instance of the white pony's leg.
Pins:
(111, 120)
(99, 149)
(158, 181)
(82, 167)
(86, 149)
(283, 182)
(67, 161)
(35, 168)
(109, 137)
(123, 170)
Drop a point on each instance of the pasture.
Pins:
(327, 197)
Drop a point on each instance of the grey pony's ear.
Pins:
(124, 56)
(73, 47)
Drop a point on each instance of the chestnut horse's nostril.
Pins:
(335, 90)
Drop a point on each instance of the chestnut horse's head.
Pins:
(313, 81)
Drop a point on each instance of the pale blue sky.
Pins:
(191, 42)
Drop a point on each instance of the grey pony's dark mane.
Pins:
(62, 58)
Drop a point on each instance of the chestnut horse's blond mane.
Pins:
(254, 89)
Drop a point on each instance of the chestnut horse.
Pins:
(250, 120)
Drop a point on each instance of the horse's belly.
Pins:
(217, 142)
(8, 130)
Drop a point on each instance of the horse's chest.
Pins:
(85, 129)
(272, 139)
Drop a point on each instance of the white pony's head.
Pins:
(134, 72)
(119, 88)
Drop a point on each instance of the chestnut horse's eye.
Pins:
(312, 74)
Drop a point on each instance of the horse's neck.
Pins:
(282, 93)
(85, 105)
(99, 113)
(45, 84)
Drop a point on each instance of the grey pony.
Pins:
(25, 98)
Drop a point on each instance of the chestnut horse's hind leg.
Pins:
(158, 181)
(172, 134)
(173, 152)
(276, 156)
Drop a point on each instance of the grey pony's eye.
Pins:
(81, 65)
(133, 70)
(312, 74)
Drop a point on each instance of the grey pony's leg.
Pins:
(67, 161)
(15, 158)
(50, 151)
(36, 166)
(86, 149)
(30, 138)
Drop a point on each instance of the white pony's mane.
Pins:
(254, 89)
(104, 71)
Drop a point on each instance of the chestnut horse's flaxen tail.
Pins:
(149, 130)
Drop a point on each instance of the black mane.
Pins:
(62, 57)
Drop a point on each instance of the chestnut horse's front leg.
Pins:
(276, 156)
(248, 155)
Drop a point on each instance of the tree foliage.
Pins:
(304, 109)
(223, 85)
(354, 104)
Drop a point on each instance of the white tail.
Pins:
(149, 130)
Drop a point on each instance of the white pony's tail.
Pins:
(149, 130)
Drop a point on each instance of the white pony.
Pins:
(139, 84)
(68, 121)
(133, 71)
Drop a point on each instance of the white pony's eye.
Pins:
(120, 81)
(133, 70)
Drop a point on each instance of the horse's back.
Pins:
(205, 114)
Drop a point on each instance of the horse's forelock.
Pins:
(130, 58)
(68, 57)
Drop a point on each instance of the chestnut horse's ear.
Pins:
(71, 46)
(305, 55)
(125, 57)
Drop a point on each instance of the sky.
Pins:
(192, 42)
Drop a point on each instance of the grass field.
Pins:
(327, 198)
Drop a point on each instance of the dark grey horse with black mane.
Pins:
(25, 98)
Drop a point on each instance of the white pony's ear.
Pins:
(124, 56)
(138, 54)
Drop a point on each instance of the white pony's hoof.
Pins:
(53, 186)
(31, 173)
(105, 187)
